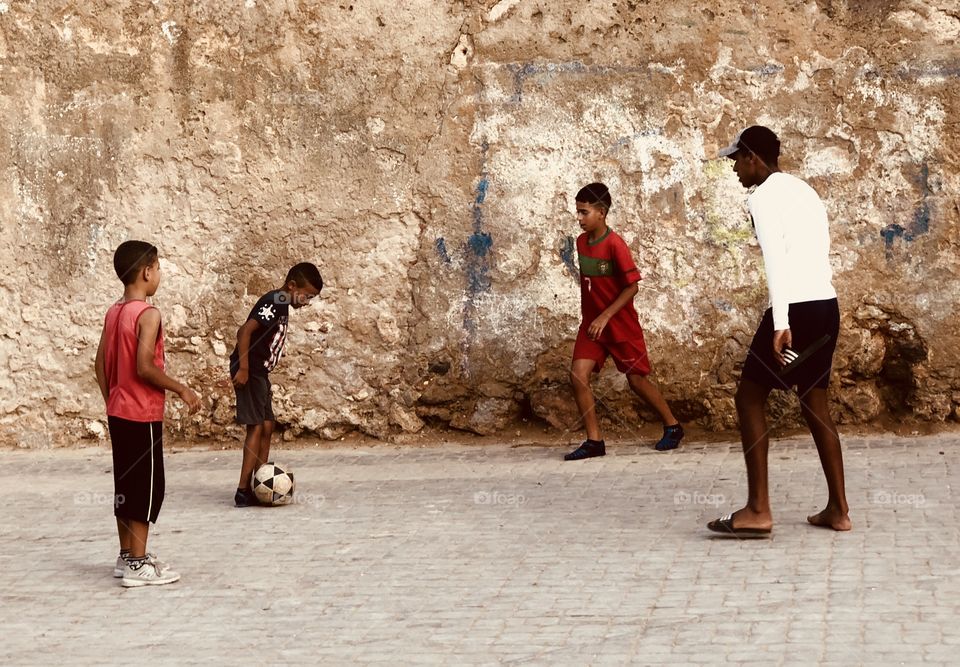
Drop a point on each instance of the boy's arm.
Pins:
(768, 222)
(148, 328)
(99, 367)
(244, 336)
(626, 296)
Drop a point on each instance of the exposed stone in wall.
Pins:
(424, 154)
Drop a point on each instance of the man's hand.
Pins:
(240, 379)
(781, 338)
(189, 396)
(597, 327)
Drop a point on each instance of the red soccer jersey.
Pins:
(606, 269)
(130, 397)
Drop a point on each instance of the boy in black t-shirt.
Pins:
(259, 347)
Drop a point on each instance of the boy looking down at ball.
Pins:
(260, 343)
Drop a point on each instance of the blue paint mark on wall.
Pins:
(481, 194)
(568, 249)
(935, 70)
(920, 224)
(921, 218)
(479, 243)
(477, 251)
(441, 247)
(770, 69)
(889, 234)
(479, 265)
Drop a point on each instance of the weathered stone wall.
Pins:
(423, 154)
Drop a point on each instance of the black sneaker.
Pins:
(588, 449)
(672, 435)
(244, 498)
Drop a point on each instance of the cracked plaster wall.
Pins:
(423, 154)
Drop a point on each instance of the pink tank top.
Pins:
(130, 397)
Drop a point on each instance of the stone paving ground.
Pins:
(459, 554)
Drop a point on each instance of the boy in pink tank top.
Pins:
(130, 372)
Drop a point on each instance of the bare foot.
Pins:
(830, 518)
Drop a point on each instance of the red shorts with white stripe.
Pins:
(630, 356)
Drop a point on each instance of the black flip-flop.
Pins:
(724, 526)
(796, 359)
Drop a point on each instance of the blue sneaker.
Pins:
(672, 435)
(588, 449)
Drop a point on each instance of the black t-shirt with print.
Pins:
(266, 345)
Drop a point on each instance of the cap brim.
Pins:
(728, 151)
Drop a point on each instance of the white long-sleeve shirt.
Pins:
(791, 224)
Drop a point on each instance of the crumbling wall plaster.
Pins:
(424, 155)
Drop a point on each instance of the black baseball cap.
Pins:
(757, 139)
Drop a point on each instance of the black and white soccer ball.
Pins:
(272, 485)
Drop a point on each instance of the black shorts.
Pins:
(138, 481)
(809, 321)
(255, 400)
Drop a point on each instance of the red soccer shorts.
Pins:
(630, 356)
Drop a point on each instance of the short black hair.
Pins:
(596, 194)
(130, 257)
(762, 142)
(304, 273)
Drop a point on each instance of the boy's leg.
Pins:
(139, 482)
(751, 402)
(265, 434)
(138, 531)
(645, 389)
(126, 536)
(815, 408)
(141, 568)
(580, 373)
(672, 431)
(251, 454)
(632, 360)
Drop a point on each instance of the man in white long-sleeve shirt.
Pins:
(791, 225)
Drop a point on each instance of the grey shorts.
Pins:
(255, 400)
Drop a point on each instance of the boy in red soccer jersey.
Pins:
(131, 373)
(608, 283)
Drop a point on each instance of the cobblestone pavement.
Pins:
(461, 554)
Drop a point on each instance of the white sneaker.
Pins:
(149, 573)
(122, 564)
